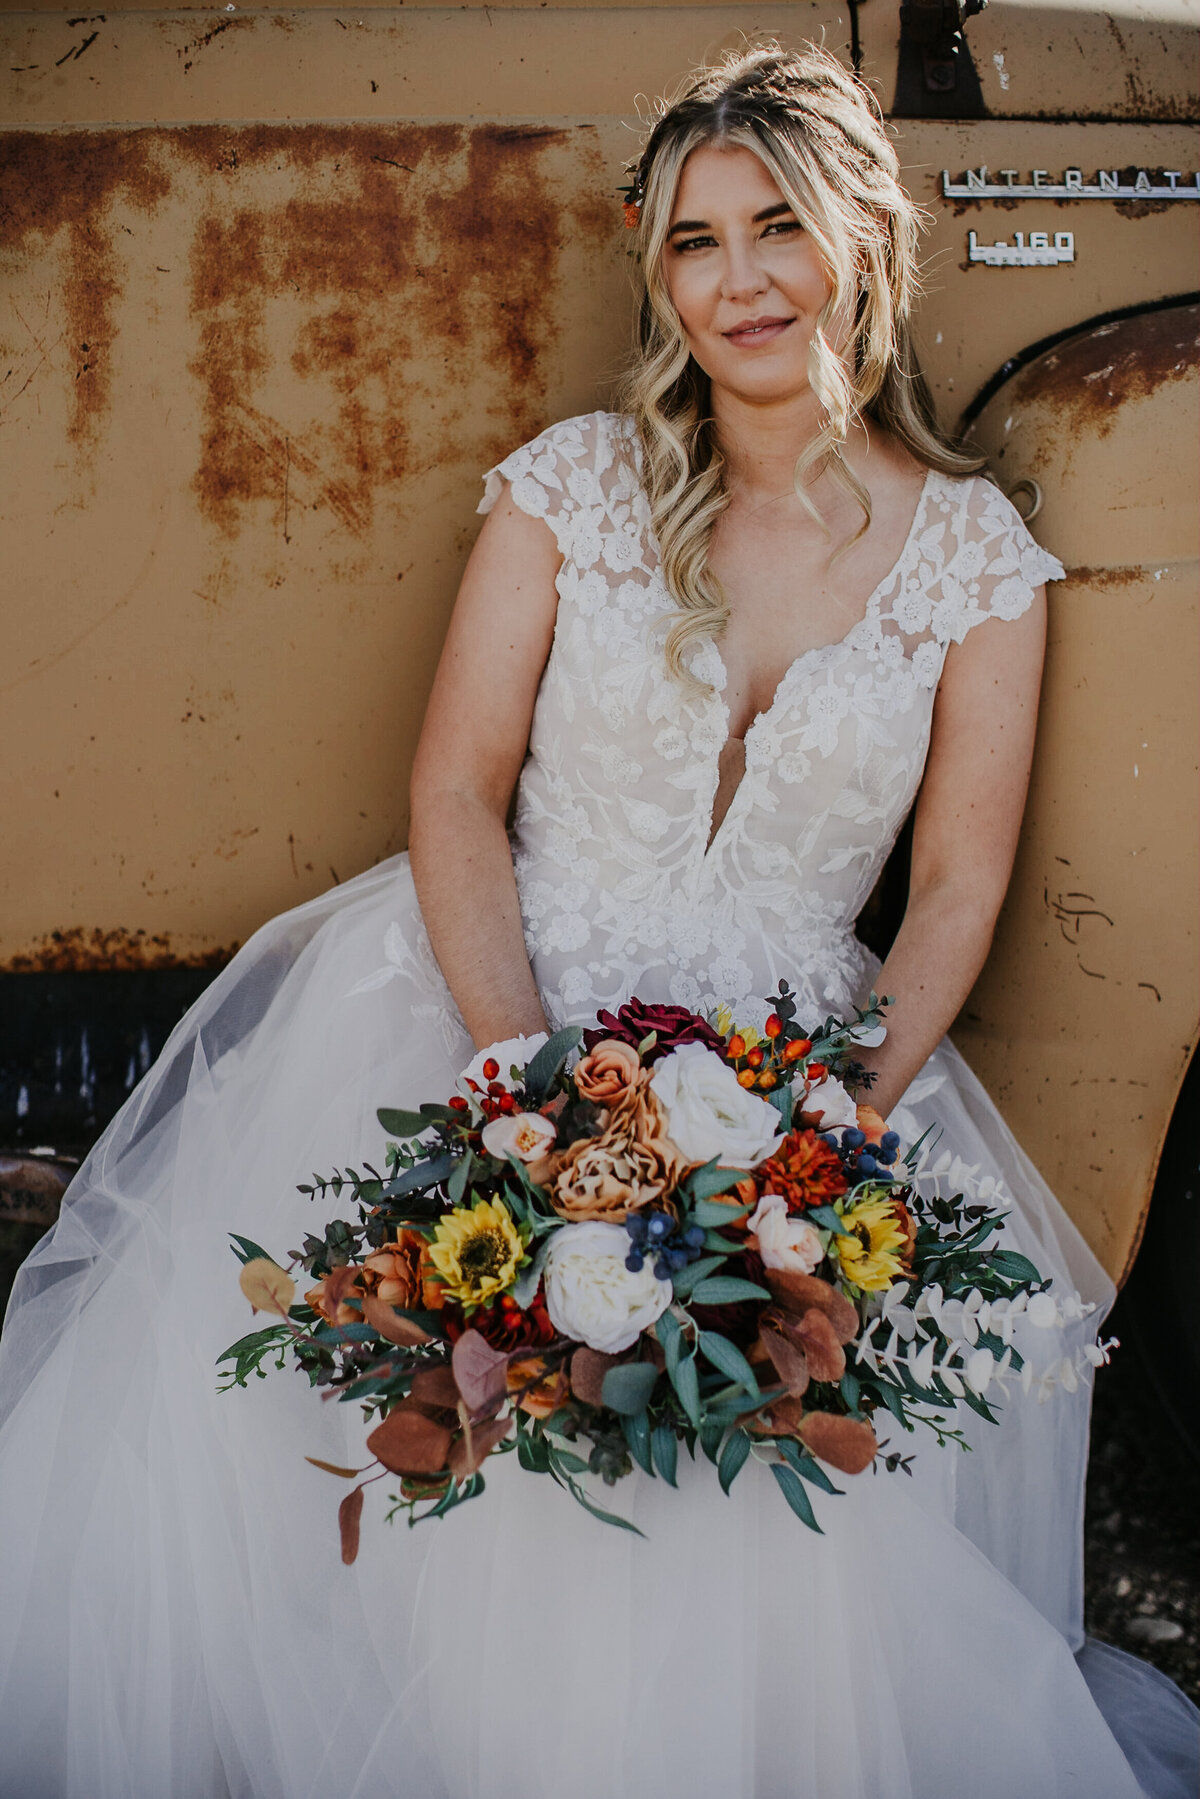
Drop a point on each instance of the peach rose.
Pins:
(631, 1164)
(398, 1274)
(329, 1299)
(608, 1072)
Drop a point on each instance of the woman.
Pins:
(734, 629)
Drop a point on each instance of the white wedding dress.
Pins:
(175, 1619)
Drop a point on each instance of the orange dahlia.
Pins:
(803, 1171)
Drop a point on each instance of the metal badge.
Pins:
(1038, 252)
(1107, 184)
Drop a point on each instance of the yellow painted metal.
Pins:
(1086, 1015)
(275, 287)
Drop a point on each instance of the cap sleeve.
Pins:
(995, 565)
(555, 474)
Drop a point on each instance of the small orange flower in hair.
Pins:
(633, 213)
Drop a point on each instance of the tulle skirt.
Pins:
(175, 1618)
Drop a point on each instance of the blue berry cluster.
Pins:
(864, 1161)
(656, 1234)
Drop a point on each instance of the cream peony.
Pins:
(784, 1241)
(510, 1051)
(709, 1114)
(590, 1294)
(526, 1135)
(828, 1098)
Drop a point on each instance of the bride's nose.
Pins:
(743, 276)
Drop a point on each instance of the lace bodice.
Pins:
(621, 889)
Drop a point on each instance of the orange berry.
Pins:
(797, 1047)
(736, 1047)
(747, 1078)
(766, 1079)
(756, 1058)
(816, 1071)
(773, 1025)
(491, 1069)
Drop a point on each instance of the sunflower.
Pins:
(477, 1251)
(872, 1254)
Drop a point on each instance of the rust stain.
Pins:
(52, 182)
(399, 242)
(1087, 379)
(1104, 579)
(80, 948)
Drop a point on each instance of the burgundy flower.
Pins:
(673, 1024)
(503, 1324)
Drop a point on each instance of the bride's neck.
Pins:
(763, 443)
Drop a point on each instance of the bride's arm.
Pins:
(965, 831)
(472, 745)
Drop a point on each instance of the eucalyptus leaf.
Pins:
(248, 1251)
(792, 1488)
(457, 1184)
(687, 1279)
(1013, 1266)
(686, 1382)
(726, 1289)
(729, 1359)
(627, 1387)
(703, 1182)
(781, 1098)
(827, 1218)
(733, 1459)
(665, 1445)
(424, 1174)
(400, 1124)
(549, 1061)
(806, 1466)
(711, 1215)
(637, 1434)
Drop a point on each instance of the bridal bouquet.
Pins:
(692, 1233)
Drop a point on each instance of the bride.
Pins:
(719, 642)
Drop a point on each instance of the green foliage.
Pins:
(792, 1488)
(249, 1353)
(628, 1386)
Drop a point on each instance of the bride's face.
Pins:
(745, 277)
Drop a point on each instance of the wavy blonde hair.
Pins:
(820, 134)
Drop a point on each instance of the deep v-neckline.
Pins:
(782, 686)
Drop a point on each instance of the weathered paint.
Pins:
(1086, 1015)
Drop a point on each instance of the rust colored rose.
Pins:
(329, 1298)
(674, 1025)
(608, 1072)
(631, 1164)
(393, 1272)
(803, 1171)
(542, 1388)
(504, 1324)
(908, 1225)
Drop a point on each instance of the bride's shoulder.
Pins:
(571, 463)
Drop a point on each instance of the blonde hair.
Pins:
(820, 134)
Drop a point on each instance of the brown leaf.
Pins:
(781, 1418)
(436, 1386)
(408, 1442)
(588, 1368)
(266, 1286)
(797, 1293)
(341, 1283)
(392, 1324)
(349, 1514)
(791, 1363)
(825, 1355)
(847, 1444)
(481, 1373)
(476, 1444)
(332, 1468)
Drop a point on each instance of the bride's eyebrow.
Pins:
(760, 218)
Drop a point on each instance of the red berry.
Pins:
(736, 1048)
(816, 1071)
(756, 1058)
(773, 1025)
(459, 1104)
(491, 1069)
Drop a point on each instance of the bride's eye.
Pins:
(694, 243)
(784, 226)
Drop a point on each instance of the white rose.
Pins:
(709, 1114)
(518, 1050)
(526, 1135)
(590, 1294)
(783, 1241)
(830, 1099)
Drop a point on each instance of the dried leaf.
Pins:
(266, 1286)
(825, 1355)
(791, 1363)
(845, 1443)
(392, 1325)
(481, 1373)
(436, 1387)
(476, 1444)
(797, 1293)
(779, 1419)
(408, 1442)
(349, 1514)
(588, 1368)
(332, 1468)
(339, 1284)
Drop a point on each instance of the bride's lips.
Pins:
(756, 331)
